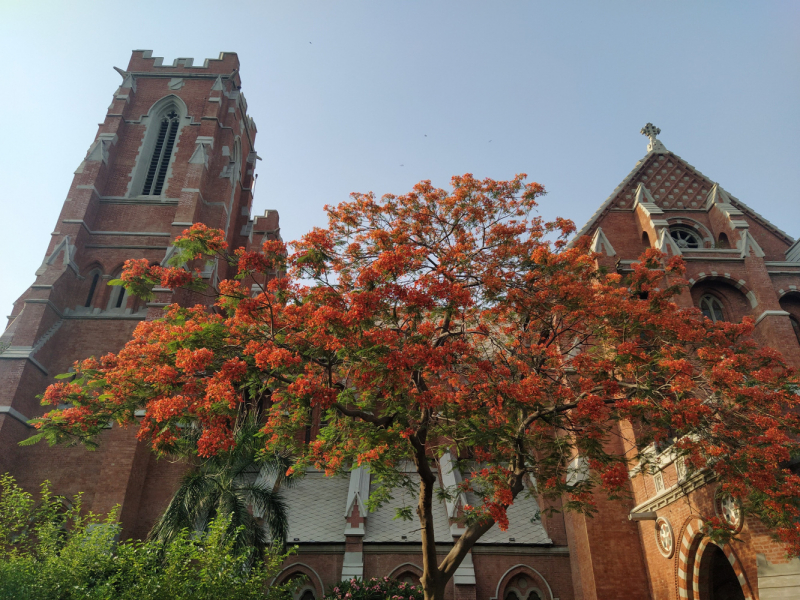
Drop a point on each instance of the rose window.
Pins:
(665, 538)
(684, 238)
(729, 510)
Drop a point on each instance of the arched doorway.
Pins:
(718, 580)
(707, 571)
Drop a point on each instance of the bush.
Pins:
(49, 550)
(374, 589)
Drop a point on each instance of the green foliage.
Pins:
(374, 589)
(49, 550)
(229, 484)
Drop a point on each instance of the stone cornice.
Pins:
(676, 492)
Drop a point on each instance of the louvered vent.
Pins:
(159, 163)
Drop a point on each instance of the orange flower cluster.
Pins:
(452, 321)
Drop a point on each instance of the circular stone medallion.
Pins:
(665, 538)
(729, 510)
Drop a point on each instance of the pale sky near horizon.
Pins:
(376, 95)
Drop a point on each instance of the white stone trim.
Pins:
(15, 414)
(353, 565)
(358, 492)
(771, 313)
(465, 573)
(451, 477)
(86, 227)
(600, 243)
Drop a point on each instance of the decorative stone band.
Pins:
(676, 492)
(690, 557)
(771, 313)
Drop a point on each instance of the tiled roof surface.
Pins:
(520, 526)
(316, 508)
(382, 527)
(316, 514)
(674, 184)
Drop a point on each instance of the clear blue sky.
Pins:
(344, 94)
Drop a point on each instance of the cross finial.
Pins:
(651, 131)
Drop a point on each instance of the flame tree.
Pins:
(450, 321)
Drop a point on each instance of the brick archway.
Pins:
(732, 559)
(726, 278)
(690, 556)
(406, 568)
(315, 581)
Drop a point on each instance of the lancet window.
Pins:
(711, 307)
(162, 153)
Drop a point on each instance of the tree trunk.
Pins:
(435, 576)
(434, 591)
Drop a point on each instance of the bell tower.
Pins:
(176, 147)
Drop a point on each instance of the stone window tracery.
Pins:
(522, 588)
(711, 307)
(685, 237)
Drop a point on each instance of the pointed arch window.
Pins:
(92, 289)
(162, 153)
(711, 307)
(795, 326)
(118, 298)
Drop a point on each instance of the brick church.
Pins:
(177, 147)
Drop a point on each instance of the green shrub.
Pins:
(374, 589)
(49, 550)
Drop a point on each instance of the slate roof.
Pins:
(316, 507)
(382, 527)
(520, 526)
(316, 514)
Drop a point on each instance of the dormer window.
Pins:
(162, 153)
(711, 307)
(685, 237)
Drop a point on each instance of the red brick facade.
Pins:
(736, 260)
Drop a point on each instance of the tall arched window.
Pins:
(118, 298)
(796, 327)
(711, 307)
(162, 153)
(163, 125)
(92, 289)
